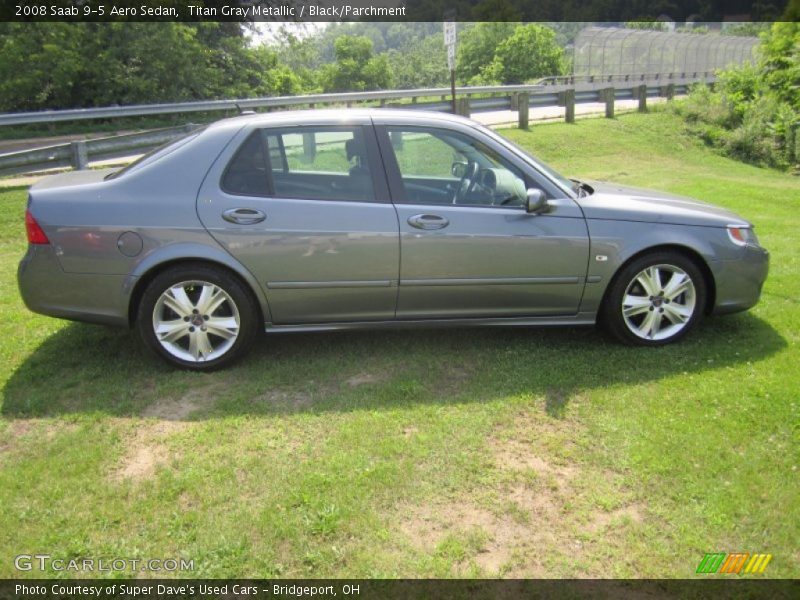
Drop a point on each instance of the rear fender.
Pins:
(190, 252)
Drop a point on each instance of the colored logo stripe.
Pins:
(734, 562)
(720, 562)
(711, 562)
(758, 563)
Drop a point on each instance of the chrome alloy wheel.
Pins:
(196, 321)
(659, 302)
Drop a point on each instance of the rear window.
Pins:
(156, 154)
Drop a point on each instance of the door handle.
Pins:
(243, 216)
(426, 221)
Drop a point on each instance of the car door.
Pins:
(306, 210)
(468, 246)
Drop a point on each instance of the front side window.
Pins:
(316, 163)
(439, 166)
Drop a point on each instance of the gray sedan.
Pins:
(322, 220)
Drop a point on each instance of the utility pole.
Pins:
(450, 43)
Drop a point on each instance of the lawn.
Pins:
(521, 452)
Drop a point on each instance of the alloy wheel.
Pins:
(659, 302)
(196, 321)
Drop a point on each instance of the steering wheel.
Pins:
(467, 183)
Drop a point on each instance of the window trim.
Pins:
(395, 178)
(380, 188)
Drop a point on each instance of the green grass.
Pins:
(548, 452)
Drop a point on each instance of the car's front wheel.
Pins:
(656, 299)
(197, 317)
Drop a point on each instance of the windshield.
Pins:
(155, 154)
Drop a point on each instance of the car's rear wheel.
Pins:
(656, 299)
(197, 317)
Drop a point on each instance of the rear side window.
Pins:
(315, 163)
(246, 174)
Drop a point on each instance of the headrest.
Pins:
(354, 147)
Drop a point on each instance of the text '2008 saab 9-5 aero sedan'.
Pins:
(320, 220)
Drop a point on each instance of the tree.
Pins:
(72, 65)
(422, 65)
(356, 68)
(531, 52)
(477, 46)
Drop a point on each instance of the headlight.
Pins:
(742, 236)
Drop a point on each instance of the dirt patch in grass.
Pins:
(365, 379)
(501, 536)
(145, 452)
(294, 400)
(540, 513)
(16, 429)
(196, 399)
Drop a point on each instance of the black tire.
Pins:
(678, 315)
(237, 302)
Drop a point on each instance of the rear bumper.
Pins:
(46, 289)
(739, 282)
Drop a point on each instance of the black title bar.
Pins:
(679, 11)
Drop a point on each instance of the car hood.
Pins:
(71, 178)
(621, 203)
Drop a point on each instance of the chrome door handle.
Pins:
(426, 221)
(243, 216)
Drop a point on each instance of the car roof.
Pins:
(338, 115)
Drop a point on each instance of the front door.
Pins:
(468, 246)
(306, 210)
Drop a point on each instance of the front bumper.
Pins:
(739, 281)
(46, 289)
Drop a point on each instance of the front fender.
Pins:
(613, 243)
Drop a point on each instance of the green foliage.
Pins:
(73, 65)
(754, 112)
(66, 65)
(424, 64)
(529, 53)
(476, 49)
(356, 68)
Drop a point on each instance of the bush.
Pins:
(753, 113)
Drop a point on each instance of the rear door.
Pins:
(306, 210)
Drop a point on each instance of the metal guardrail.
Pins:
(348, 98)
(77, 154)
(555, 91)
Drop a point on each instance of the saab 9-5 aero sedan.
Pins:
(321, 220)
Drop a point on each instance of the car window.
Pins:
(439, 166)
(316, 163)
(156, 154)
(246, 174)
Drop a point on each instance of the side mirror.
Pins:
(535, 201)
(459, 169)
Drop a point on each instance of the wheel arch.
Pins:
(688, 252)
(148, 270)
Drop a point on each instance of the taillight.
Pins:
(35, 233)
